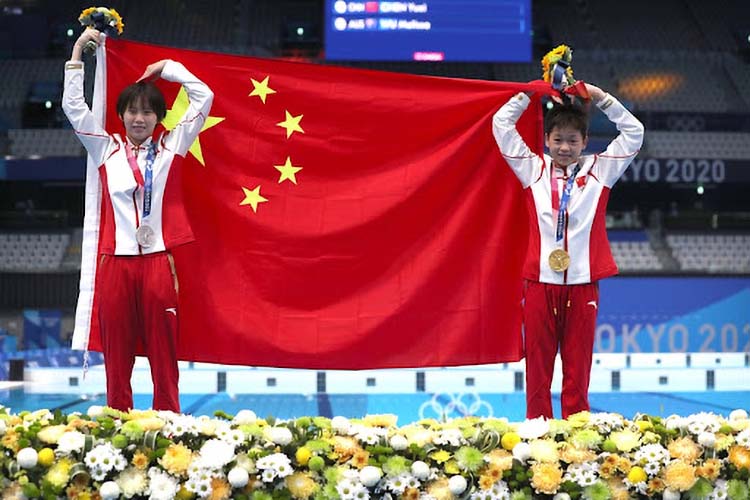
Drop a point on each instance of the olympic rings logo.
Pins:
(443, 406)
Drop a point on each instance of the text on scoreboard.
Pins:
(432, 30)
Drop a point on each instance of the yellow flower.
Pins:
(10, 440)
(486, 482)
(140, 461)
(59, 474)
(184, 494)
(360, 458)
(301, 485)
(650, 438)
(685, 449)
(723, 442)
(679, 476)
(451, 467)
(418, 436)
(510, 440)
(740, 424)
(52, 433)
(303, 455)
(499, 459)
(87, 12)
(644, 425)
(410, 494)
(618, 490)
(655, 485)
(151, 424)
(440, 456)
(544, 450)
(429, 422)
(552, 57)
(344, 447)
(607, 470)
(111, 15)
(546, 478)
(625, 440)
(78, 423)
(710, 469)
(739, 456)
(384, 420)
(572, 455)
(579, 419)
(620, 493)
(439, 490)
(490, 476)
(119, 25)
(46, 457)
(176, 459)
(13, 491)
(220, 489)
(637, 475)
(623, 464)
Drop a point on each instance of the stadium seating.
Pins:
(32, 251)
(44, 142)
(713, 20)
(724, 145)
(714, 253)
(633, 252)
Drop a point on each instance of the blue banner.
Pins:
(680, 314)
(41, 328)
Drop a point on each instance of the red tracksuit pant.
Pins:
(564, 317)
(138, 301)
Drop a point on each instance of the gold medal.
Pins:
(559, 260)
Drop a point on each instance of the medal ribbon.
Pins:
(147, 184)
(562, 214)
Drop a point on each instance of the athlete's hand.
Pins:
(153, 71)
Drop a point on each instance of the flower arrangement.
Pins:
(103, 19)
(108, 454)
(554, 56)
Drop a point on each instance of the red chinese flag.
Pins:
(344, 219)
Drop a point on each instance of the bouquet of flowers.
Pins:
(103, 19)
(557, 70)
(107, 454)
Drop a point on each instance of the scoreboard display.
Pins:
(429, 30)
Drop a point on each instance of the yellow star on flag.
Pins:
(261, 89)
(174, 115)
(288, 171)
(252, 198)
(291, 124)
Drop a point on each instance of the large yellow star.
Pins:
(291, 124)
(288, 171)
(252, 198)
(261, 89)
(174, 116)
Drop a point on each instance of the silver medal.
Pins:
(145, 236)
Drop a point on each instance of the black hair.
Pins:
(145, 92)
(567, 116)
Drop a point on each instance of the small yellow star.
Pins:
(288, 171)
(291, 124)
(252, 198)
(261, 89)
(174, 115)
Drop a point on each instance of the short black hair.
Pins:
(145, 92)
(567, 115)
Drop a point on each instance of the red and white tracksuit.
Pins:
(136, 299)
(560, 308)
